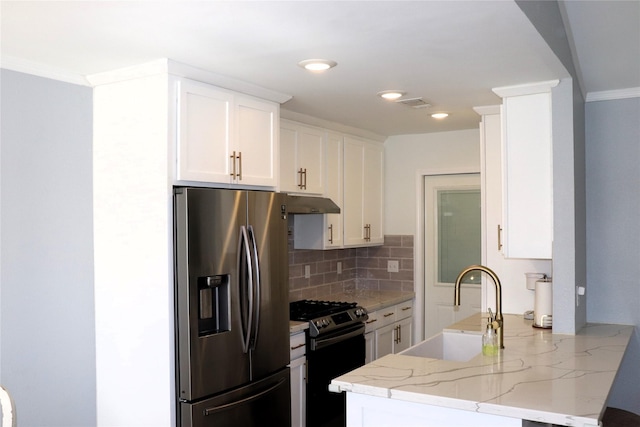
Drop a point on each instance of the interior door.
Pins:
(452, 241)
(209, 331)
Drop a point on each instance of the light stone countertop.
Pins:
(539, 376)
(371, 300)
(295, 326)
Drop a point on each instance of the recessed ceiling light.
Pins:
(317, 64)
(440, 115)
(391, 95)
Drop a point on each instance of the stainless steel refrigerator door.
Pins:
(209, 333)
(268, 225)
(263, 403)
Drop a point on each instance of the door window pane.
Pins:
(459, 239)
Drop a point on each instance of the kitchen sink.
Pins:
(456, 346)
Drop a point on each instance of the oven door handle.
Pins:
(318, 343)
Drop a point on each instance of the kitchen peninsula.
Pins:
(539, 376)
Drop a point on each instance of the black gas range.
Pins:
(335, 345)
(325, 317)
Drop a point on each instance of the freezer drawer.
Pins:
(263, 403)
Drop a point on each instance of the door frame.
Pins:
(418, 246)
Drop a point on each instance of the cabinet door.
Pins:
(403, 332)
(311, 156)
(333, 190)
(204, 133)
(302, 158)
(289, 176)
(373, 190)
(370, 347)
(298, 392)
(528, 204)
(384, 340)
(257, 128)
(510, 270)
(353, 192)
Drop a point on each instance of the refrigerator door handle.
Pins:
(211, 411)
(246, 280)
(256, 288)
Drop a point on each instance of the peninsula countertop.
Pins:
(539, 376)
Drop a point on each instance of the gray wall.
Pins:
(613, 230)
(47, 327)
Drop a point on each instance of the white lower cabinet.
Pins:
(389, 330)
(374, 411)
(298, 367)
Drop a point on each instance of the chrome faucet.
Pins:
(497, 321)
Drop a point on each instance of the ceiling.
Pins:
(450, 53)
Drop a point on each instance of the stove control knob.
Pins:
(360, 312)
(319, 324)
(325, 322)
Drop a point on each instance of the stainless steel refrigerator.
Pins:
(232, 311)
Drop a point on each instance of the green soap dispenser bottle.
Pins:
(490, 341)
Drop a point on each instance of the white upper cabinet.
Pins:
(225, 137)
(334, 190)
(510, 270)
(257, 141)
(527, 170)
(324, 231)
(363, 192)
(302, 159)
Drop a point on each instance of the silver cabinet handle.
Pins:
(240, 165)
(331, 233)
(499, 237)
(233, 164)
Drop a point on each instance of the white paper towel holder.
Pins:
(543, 320)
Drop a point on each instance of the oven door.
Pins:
(329, 357)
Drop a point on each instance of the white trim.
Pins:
(326, 124)
(418, 243)
(41, 70)
(525, 89)
(484, 110)
(168, 66)
(147, 69)
(608, 95)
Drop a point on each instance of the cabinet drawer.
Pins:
(372, 323)
(386, 316)
(404, 310)
(297, 343)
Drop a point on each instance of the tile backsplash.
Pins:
(341, 270)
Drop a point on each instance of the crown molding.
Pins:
(525, 89)
(609, 95)
(158, 66)
(329, 125)
(41, 70)
(484, 110)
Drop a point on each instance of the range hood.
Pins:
(310, 205)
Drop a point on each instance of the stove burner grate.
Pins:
(310, 309)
